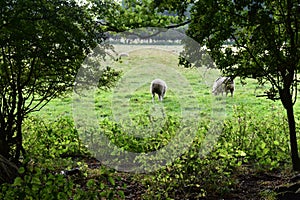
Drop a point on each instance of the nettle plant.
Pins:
(243, 141)
(265, 139)
(52, 139)
(54, 147)
(37, 183)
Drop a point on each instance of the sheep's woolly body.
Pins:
(223, 84)
(158, 87)
(123, 54)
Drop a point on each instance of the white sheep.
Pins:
(223, 84)
(123, 54)
(158, 87)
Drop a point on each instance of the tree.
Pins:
(43, 44)
(264, 37)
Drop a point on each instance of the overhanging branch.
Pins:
(178, 25)
(148, 36)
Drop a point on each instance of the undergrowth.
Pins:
(261, 142)
(54, 146)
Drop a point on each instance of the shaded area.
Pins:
(8, 170)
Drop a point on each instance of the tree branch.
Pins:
(178, 25)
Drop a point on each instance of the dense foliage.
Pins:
(55, 149)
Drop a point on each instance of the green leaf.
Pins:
(121, 194)
(239, 163)
(102, 186)
(36, 180)
(21, 170)
(266, 151)
(103, 194)
(90, 183)
(263, 145)
(111, 180)
(18, 181)
(242, 153)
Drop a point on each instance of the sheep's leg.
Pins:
(161, 96)
(153, 95)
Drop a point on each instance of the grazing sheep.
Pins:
(223, 84)
(159, 87)
(123, 54)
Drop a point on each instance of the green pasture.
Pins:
(131, 94)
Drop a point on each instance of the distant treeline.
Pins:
(148, 36)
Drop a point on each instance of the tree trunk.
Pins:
(4, 148)
(287, 102)
(9, 170)
(293, 138)
(19, 122)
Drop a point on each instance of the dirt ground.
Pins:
(251, 185)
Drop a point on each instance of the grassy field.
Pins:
(185, 86)
(252, 131)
